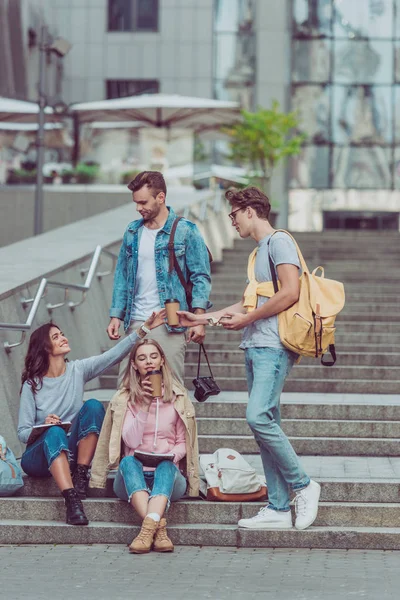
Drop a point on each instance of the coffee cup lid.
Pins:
(155, 372)
(171, 300)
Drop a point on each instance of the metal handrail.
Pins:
(42, 290)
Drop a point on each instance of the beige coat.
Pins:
(108, 450)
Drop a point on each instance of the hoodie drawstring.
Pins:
(156, 429)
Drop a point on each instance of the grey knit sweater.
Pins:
(63, 396)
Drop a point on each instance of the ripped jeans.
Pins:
(166, 480)
(38, 456)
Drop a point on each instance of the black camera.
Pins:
(205, 387)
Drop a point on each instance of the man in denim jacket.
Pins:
(142, 282)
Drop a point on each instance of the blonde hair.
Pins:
(131, 378)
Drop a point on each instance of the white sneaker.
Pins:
(306, 505)
(267, 518)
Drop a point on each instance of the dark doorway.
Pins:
(361, 220)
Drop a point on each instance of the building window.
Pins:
(133, 15)
(345, 67)
(121, 88)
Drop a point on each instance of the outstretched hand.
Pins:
(188, 319)
(234, 321)
(156, 319)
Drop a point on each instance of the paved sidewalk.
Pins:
(110, 572)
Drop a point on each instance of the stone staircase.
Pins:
(344, 421)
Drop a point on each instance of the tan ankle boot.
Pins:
(162, 543)
(143, 542)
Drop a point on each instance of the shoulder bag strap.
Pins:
(272, 268)
(201, 347)
(173, 263)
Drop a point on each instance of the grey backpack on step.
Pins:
(10, 473)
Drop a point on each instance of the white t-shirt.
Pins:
(146, 299)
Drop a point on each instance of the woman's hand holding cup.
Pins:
(147, 393)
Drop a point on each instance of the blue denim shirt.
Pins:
(192, 256)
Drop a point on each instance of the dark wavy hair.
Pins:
(153, 179)
(37, 359)
(250, 196)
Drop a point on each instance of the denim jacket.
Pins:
(192, 256)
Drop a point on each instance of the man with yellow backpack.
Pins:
(269, 342)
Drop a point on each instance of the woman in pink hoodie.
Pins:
(151, 425)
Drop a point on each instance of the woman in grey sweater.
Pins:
(52, 393)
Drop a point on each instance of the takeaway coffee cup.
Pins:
(171, 307)
(156, 383)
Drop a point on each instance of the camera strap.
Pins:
(201, 347)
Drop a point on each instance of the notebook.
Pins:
(152, 459)
(37, 430)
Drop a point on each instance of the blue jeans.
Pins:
(38, 457)
(166, 480)
(266, 371)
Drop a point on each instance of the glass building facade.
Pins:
(234, 74)
(345, 85)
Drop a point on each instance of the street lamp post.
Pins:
(38, 220)
(60, 47)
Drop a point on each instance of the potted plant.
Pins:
(86, 172)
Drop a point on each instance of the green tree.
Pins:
(262, 139)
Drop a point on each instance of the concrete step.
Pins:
(306, 371)
(354, 276)
(310, 446)
(51, 532)
(305, 428)
(370, 359)
(310, 386)
(235, 358)
(112, 510)
(298, 410)
(235, 285)
(375, 297)
(342, 479)
(342, 327)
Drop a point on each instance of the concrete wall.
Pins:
(62, 205)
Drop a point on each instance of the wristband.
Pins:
(142, 331)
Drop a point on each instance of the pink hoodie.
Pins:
(159, 430)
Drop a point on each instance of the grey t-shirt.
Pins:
(264, 332)
(63, 395)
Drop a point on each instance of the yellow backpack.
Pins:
(308, 326)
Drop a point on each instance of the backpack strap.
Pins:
(332, 352)
(301, 257)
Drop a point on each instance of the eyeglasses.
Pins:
(232, 215)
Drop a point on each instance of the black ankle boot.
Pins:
(80, 479)
(75, 513)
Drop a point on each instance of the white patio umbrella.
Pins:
(19, 111)
(160, 110)
(156, 110)
(55, 134)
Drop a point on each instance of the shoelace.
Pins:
(300, 503)
(162, 534)
(76, 502)
(143, 533)
(81, 477)
(262, 512)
